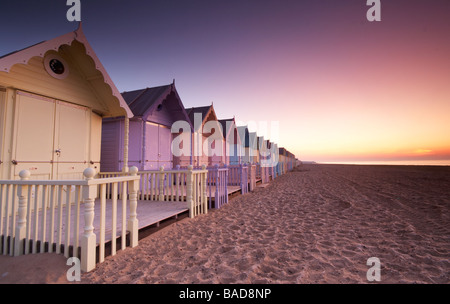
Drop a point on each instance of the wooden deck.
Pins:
(231, 190)
(148, 213)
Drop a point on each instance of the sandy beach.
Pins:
(317, 224)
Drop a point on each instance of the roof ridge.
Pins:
(137, 97)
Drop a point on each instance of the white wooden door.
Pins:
(51, 138)
(71, 140)
(34, 134)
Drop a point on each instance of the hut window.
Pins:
(56, 66)
(159, 107)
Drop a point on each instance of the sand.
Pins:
(317, 224)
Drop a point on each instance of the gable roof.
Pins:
(140, 101)
(77, 46)
(225, 130)
(144, 101)
(205, 111)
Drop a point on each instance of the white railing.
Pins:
(172, 185)
(44, 215)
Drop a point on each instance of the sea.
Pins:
(394, 162)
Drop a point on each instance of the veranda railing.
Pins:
(238, 176)
(45, 215)
(187, 185)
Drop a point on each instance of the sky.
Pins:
(314, 76)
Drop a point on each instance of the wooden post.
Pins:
(204, 194)
(241, 177)
(125, 144)
(189, 201)
(20, 233)
(161, 184)
(88, 239)
(132, 225)
(217, 182)
(226, 183)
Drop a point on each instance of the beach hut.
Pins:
(233, 144)
(155, 110)
(53, 96)
(282, 160)
(249, 145)
(207, 139)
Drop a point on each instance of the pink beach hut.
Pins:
(150, 140)
(207, 138)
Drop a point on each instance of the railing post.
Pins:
(214, 178)
(20, 233)
(204, 194)
(132, 224)
(189, 201)
(88, 239)
(161, 184)
(241, 178)
(227, 170)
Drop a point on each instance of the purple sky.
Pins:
(340, 87)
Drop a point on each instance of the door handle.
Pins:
(58, 151)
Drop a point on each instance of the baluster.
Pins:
(44, 217)
(67, 224)
(204, 193)
(59, 223)
(76, 230)
(124, 215)
(22, 211)
(215, 175)
(52, 220)
(189, 201)
(161, 184)
(114, 219)
(36, 218)
(103, 194)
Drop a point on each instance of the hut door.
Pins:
(71, 140)
(51, 138)
(165, 153)
(151, 149)
(158, 142)
(34, 132)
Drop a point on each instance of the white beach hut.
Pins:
(53, 96)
